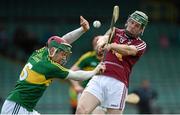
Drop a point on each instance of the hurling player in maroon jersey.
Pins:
(111, 88)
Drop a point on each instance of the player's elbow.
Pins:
(133, 53)
(128, 53)
(132, 50)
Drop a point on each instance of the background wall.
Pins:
(32, 22)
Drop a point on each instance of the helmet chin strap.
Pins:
(142, 31)
(53, 53)
(63, 61)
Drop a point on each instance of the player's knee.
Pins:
(81, 110)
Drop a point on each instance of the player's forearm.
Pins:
(73, 82)
(102, 40)
(108, 32)
(124, 49)
(80, 75)
(73, 35)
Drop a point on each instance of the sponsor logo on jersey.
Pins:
(114, 105)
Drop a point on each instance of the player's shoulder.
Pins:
(39, 54)
(140, 44)
(88, 54)
(138, 39)
(119, 29)
(43, 49)
(51, 65)
(85, 56)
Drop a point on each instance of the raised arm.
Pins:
(75, 34)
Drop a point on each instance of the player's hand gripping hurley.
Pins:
(114, 19)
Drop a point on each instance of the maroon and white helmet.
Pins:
(58, 39)
(59, 43)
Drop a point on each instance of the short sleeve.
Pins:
(51, 69)
(141, 47)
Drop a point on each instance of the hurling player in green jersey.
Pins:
(41, 68)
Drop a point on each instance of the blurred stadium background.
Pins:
(26, 25)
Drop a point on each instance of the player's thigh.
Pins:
(115, 95)
(7, 107)
(113, 111)
(88, 101)
(10, 107)
(99, 110)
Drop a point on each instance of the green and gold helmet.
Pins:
(140, 18)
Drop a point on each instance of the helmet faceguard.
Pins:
(140, 18)
(59, 44)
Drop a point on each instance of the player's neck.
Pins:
(130, 36)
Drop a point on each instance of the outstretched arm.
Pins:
(83, 75)
(75, 34)
(75, 83)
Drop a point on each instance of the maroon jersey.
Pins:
(118, 66)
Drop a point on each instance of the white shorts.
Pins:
(10, 107)
(111, 92)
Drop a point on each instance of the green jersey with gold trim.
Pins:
(35, 77)
(87, 62)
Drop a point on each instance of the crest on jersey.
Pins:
(121, 39)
